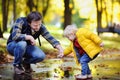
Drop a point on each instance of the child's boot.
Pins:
(80, 76)
(89, 76)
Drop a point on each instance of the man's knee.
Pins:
(22, 44)
(40, 57)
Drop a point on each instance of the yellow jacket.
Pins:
(89, 41)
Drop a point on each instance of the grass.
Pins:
(110, 40)
(102, 67)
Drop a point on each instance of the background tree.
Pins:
(109, 20)
(37, 4)
(67, 13)
(99, 14)
(5, 10)
(14, 10)
(105, 10)
(62, 12)
(45, 5)
(30, 5)
(1, 33)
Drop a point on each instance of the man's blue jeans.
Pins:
(84, 60)
(21, 51)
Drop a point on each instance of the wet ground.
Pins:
(105, 67)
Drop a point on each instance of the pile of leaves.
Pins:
(5, 58)
(2, 57)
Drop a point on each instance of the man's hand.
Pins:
(60, 49)
(32, 40)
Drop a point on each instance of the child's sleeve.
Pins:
(67, 50)
(95, 38)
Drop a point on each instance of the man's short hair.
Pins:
(34, 16)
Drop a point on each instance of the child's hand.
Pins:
(101, 44)
(60, 51)
(60, 55)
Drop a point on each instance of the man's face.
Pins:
(35, 25)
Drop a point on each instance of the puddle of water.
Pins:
(65, 69)
(54, 69)
(6, 71)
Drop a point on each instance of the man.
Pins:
(21, 42)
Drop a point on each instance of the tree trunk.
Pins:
(14, 10)
(30, 4)
(5, 10)
(45, 6)
(67, 14)
(36, 6)
(99, 15)
(1, 33)
(106, 15)
(112, 2)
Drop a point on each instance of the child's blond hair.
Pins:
(70, 29)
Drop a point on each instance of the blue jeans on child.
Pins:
(84, 60)
(21, 51)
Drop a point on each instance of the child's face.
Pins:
(71, 36)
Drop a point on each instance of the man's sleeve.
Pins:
(16, 32)
(48, 36)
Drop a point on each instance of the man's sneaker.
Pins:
(89, 76)
(18, 69)
(80, 76)
(27, 68)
